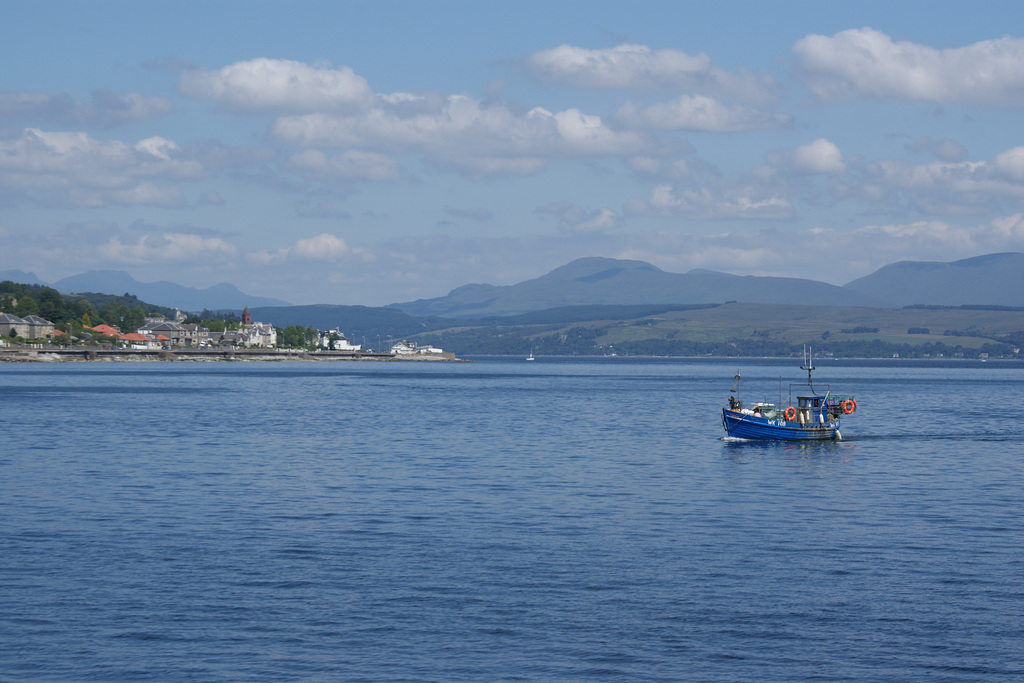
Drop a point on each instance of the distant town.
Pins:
(138, 331)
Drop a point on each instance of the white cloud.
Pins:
(278, 85)
(586, 134)
(939, 188)
(698, 112)
(320, 248)
(1010, 163)
(166, 248)
(601, 221)
(1007, 232)
(73, 167)
(487, 138)
(638, 67)
(820, 156)
(158, 147)
(717, 201)
(335, 108)
(786, 184)
(575, 220)
(936, 240)
(868, 63)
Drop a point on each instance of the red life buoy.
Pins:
(790, 414)
(849, 405)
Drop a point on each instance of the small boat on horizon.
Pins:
(530, 357)
(816, 416)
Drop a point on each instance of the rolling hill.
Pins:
(994, 279)
(614, 281)
(218, 297)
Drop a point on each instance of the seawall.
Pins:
(48, 354)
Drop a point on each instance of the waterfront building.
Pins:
(259, 334)
(339, 343)
(173, 332)
(408, 348)
(196, 334)
(29, 327)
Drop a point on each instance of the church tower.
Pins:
(246, 317)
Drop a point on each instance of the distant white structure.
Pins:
(333, 340)
(259, 334)
(407, 348)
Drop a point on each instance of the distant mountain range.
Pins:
(996, 279)
(992, 280)
(21, 277)
(218, 297)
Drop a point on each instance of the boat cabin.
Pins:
(812, 409)
(810, 402)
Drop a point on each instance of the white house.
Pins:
(259, 334)
(341, 343)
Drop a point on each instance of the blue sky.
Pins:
(378, 152)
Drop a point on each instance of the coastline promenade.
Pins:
(45, 354)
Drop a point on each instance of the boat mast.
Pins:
(808, 364)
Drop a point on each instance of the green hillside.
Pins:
(742, 329)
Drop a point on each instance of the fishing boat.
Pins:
(814, 417)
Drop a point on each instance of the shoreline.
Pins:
(93, 354)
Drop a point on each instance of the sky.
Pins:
(367, 153)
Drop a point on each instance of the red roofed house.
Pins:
(138, 341)
(106, 330)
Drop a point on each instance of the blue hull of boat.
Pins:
(742, 426)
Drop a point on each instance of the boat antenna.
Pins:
(735, 384)
(808, 363)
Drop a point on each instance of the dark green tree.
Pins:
(26, 306)
(51, 305)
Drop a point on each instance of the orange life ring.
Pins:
(849, 405)
(790, 414)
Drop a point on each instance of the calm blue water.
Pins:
(506, 521)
